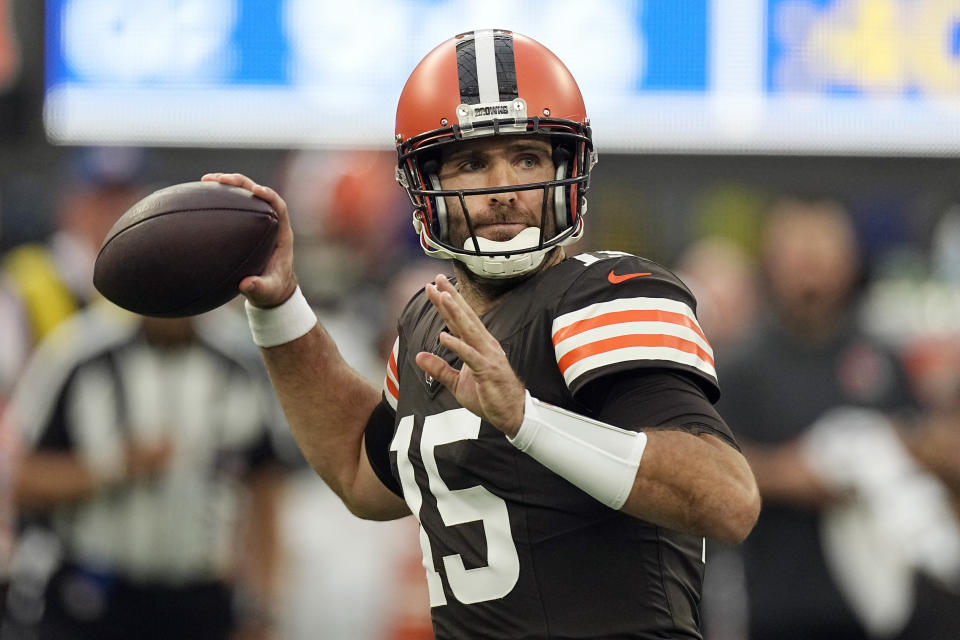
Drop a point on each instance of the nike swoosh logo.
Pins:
(615, 279)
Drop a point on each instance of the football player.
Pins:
(547, 419)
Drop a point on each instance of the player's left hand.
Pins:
(486, 383)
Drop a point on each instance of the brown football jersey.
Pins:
(512, 550)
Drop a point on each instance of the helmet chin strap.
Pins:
(526, 239)
(518, 255)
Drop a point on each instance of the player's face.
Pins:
(497, 162)
(811, 259)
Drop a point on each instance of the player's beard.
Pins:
(494, 214)
(493, 288)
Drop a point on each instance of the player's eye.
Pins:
(529, 162)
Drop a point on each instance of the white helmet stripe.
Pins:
(486, 66)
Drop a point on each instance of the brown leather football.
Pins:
(183, 250)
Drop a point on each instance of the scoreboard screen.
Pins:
(704, 76)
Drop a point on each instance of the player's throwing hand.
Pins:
(486, 383)
(278, 281)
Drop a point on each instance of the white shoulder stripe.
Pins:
(577, 369)
(622, 304)
(630, 329)
(391, 382)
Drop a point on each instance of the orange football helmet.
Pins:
(485, 83)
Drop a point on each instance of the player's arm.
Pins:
(692, 483)
(689, 476)
(327, 404)
(695, 483)
(665, 474)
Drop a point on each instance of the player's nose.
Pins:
(502, 174)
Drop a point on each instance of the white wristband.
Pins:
(600, 459)
(283, 323)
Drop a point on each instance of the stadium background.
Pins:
(704, 111)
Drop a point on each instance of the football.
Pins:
(183, 250)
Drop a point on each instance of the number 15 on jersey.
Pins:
(457, 506)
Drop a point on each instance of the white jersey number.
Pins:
(458, 506)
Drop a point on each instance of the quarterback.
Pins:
(546, 418)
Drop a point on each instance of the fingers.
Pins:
(456, 313)
(467, 336)
(235, 179)
(262, 192)
(471, 357)
(486, 383)
(437, 368)
(277, 282)
(272, 197)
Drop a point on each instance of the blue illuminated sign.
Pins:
(677, 38)
(818, 76)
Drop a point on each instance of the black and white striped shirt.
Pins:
(97, 384)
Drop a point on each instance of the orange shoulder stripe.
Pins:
(634, 340)
(634, 315)
(392, 363)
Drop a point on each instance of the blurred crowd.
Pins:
(146, 468)
(150, 486)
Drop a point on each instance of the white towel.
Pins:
(896, 520)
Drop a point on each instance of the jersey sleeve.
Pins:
(625, 313)
(379, 430)
(656, 400)
(377, 437)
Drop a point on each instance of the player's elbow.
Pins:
(734, 503)
(738, 514)
(361, 510)
(378, 512)
(366, 498)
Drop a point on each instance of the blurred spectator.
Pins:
(933, 362)
(352, 221)
(854, 534)
(9, 455)
(723, 278)
(945, 247)
(9, 47)
(42, 284)
(932, 356)
(149, 451)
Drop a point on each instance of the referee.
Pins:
(147, 442)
